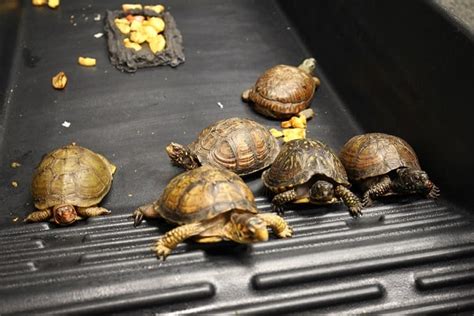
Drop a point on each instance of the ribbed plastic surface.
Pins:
(405, 256)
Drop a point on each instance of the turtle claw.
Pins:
(434, 192)
(287, 232)
(137, 217)
(279, 209)
(162, 251)
(355, 211)
(367, 200)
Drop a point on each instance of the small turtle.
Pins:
(68, 184)
(210, 204)
(384, 165)
(308, 170)
(283, 91)
(240, 145)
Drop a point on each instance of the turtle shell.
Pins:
(71, 175)
(282, 91)
(299, 160)
(375, 154)
(240, 145)
(204, 193)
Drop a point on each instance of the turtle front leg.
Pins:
(376, 190)
(148, 211)
(171, 239)
(92, 211)
(282, 198)
(350, 200)
(278, 225)
(39, 216)
(246, 95)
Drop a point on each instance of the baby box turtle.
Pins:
(383, 165)
(308, 170)
(283, 91)
(68, 184)
(210, 204)
(237, 144)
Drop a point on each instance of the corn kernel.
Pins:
(87, 61)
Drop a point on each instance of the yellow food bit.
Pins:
(157, 44)
(39, 2)
(128, 44)
(59, 81)
(15, 164)
(276, 132)
(157, 23)
(156, 8)
(298, 122)
(136, 25)
(123, 25)
(138, 37)
(293, 133)
(129, 7)
(149, 31)
(308, 113)
(53, 4)
(87, 61)
(285, 124)
(14, 184)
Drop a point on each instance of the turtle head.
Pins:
(64, 214)
(416, 181)
(182, 156)
(308, 65)
(247, 228)
(322, 192)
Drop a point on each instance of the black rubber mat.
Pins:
(405, 255)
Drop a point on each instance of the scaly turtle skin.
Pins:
(240, 145)
(308, 170)
(210, 204)
(283, 91)
(383, 165)
(68, 184)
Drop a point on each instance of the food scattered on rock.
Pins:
(293, 133)
(295, 127)
(53, 4)
(142, 29)
(87, 61)
(59, 81)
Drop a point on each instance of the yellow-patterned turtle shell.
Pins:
(71, 175)
(204, 193)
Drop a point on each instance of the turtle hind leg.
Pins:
(280, 199)
(39, 216)
(350, 200)
(246, 95)
(148, 211)
(92, 211)
(376, 190)
(171, 239)
(278, 225)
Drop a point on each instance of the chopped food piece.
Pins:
(123, 25)
(298, 122)
(149, 31)
(285, 124)
(39, 2)
(87, 61)
(129, 7)
(308, 113)
(97, 17)
(276, 132)
(98, 35)
(15, 164)
(157, 44)
(156, 8)
(14, 184)
(138, 18)
(157, 23)
(59, 81)
(138, 37)
(136, 25)
(15, 219)
(293, 133)
(66, 124)
(127, 43)
(53, 4)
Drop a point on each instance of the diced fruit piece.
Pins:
(276, 132)
(138, 37)
(53, 4)
(157, 44)
(87, 61)
(157, 23)
(59, 81)
(293, 133)
(149, 31)
(136, 25)
(127, 43)
(129, 7)
(39, 2)
(156, 8)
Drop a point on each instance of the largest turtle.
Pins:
(383, 164)
(210, 204)
(283, 90)
(68, 184)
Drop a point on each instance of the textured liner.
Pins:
(129, 60)
(405, 255)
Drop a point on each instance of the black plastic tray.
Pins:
(388, 67)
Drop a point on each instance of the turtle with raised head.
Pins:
(284, 91)
(383, 164)
(308, 171)
(210, 205)
(69, 183)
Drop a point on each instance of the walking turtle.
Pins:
(240, 145)
(68, 184)
(383, 165)
(210, 204)
(283, 91)
(308, 170)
